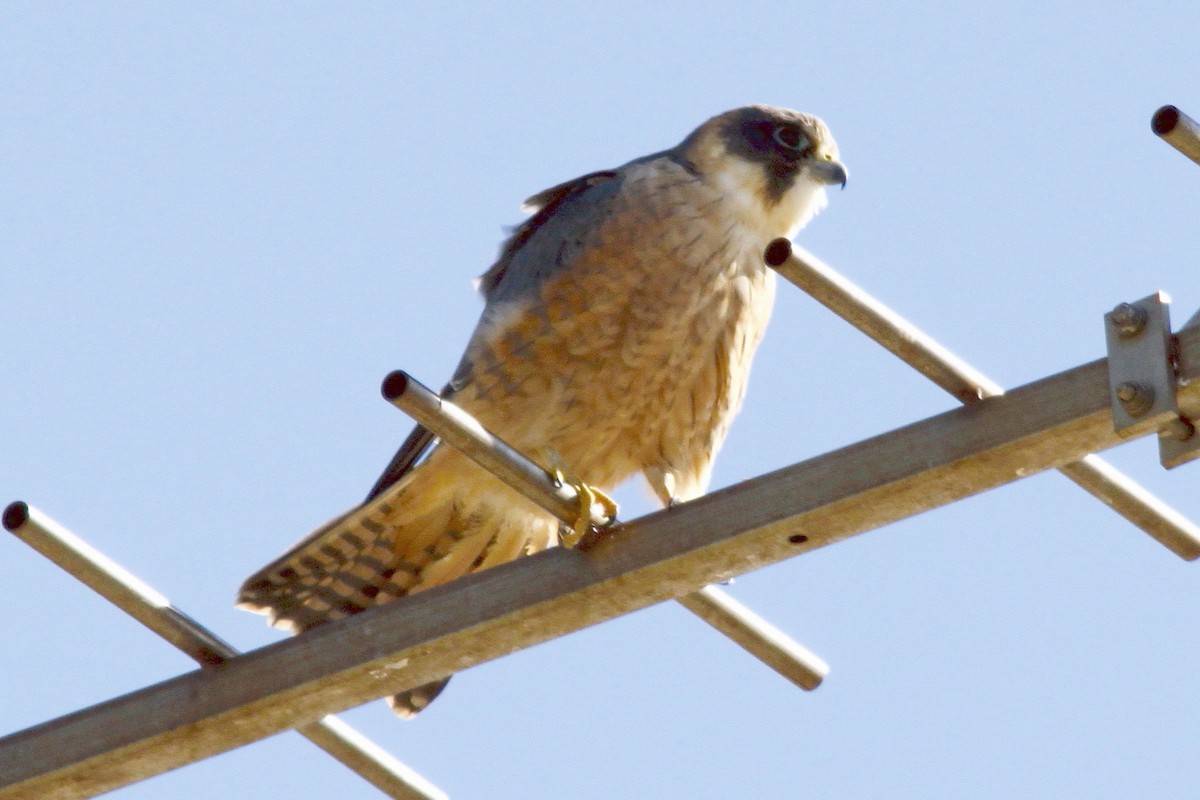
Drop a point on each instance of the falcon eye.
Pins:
(790, 137)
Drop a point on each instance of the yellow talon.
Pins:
(589, 497)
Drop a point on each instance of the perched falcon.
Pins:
(616, 339)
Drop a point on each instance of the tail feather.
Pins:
(445, 519)
(459, 556)
(516, 546)
(339, 569)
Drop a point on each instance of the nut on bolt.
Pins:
(1128, 319)
(1135, 398)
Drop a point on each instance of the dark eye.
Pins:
(790, 137)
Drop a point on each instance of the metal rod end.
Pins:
(395, 384)
(16, 515)
(777, 252)
(1164, 120)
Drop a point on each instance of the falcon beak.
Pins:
(830, 172)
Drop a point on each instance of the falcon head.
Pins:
(773, 162)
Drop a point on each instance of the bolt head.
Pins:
(1128, 319)
(1135, 398)
(1127, 392)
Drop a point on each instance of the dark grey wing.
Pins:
(551, 210)
(543, 245)
(555, 203)
(410, 452)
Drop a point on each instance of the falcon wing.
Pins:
(538, 249)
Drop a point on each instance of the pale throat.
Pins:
(743, 185)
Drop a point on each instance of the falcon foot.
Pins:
(589, 498)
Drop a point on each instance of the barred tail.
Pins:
(445, 519)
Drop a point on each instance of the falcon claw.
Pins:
(589, 498)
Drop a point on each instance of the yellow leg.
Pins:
(589, 497)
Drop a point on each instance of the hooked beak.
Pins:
(830, 172)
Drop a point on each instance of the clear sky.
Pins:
(222, 224)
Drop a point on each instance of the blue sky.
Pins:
(222, 224)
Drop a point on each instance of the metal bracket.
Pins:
(1141, 378)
